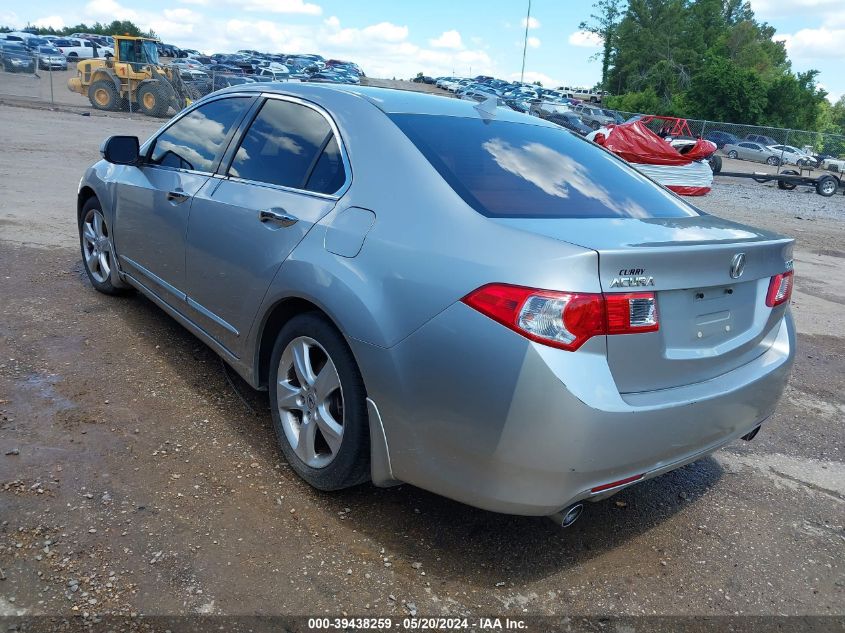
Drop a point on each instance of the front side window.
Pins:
(195, 141)
(510, 169)
(283, 145)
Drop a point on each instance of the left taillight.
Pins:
(565, 320)
(780, 289)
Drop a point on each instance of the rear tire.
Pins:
(153, 100)
(826, 186)
(715, 163)
(103, 95)
(326, 461)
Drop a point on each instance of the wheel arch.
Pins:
(381, 471)
(105, 73)
(272, 323)
(84, 195)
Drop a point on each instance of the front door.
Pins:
(283, 178)
(154, 199)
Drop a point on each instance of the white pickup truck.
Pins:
(75, 48)
(592, 96)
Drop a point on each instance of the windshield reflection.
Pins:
(556, 173)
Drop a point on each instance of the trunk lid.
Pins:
(710, 322)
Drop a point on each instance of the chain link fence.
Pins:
(754, 148)
(45, 78)
(28, 75)
(743, 148)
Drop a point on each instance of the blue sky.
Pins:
(399, 38)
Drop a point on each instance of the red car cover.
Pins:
(637, 144)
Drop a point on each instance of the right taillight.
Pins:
(780, 289)
(565, 320)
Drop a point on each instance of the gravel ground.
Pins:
(137, 476)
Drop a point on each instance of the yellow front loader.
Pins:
(133, 77)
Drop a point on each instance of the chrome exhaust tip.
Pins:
(567, 516)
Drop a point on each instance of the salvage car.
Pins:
(474, 301)
(593, 117)
(746, 150)
(51, 58)
(16, 58)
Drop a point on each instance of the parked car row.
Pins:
(559, 105)
(16, 58)
(270, 67)
(208, 73)
(51, 46)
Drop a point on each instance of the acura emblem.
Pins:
(737, 265)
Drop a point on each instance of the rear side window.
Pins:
(195, 141)
(283, 145)
(509, 169)
(328, 175)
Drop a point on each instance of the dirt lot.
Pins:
(136, 478)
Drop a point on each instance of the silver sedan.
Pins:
(746, 150)
(467, 299)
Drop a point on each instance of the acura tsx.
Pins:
(445, 293)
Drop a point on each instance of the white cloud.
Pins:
(383, 49)
(279, 6)
(109, 10)
(769, 9)
(814, 44)
(8, 18)
(585, 39)
(533, 23)
(449, 39)
(50, 21)
(534, 42)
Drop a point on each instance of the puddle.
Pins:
(44, 387)
(793, 473)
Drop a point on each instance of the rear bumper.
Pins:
(475, 412)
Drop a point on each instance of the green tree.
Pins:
(603, 23)
(707, 58)
(725, 92)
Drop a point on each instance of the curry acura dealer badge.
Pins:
(737, 265)
(631, 278)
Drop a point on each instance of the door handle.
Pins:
(277, 216)
(177, 196)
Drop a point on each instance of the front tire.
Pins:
(103, 95)
(774, 161)
(152, 100)
(97, 250)
(319, 404)
(733, 154)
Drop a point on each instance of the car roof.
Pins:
(388, 100)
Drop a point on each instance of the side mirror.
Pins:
(121, 150)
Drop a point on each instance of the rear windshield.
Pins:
(508, 169)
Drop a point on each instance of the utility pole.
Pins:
(525, 43)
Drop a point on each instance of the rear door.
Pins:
(154, 200)
(286, 173)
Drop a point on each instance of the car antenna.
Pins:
(487, 108)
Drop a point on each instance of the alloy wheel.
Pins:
(828, 187)
(96, 246)
(310, 401)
